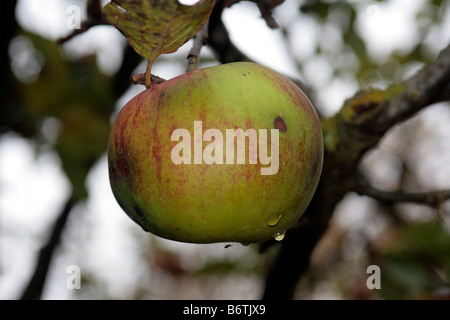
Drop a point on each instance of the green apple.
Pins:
(229, 153)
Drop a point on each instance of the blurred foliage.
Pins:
(76, 96)
(417, 264)
(348, 54)
(68, 103)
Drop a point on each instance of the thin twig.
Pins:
(264, 6)
(430, 198)
(219, 39)
(220, 42)
(95, 18)
(199, 41)
(36, 285)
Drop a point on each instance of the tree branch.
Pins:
(122, 80)
(95, 18)
(265, 7)
(199, 41)
(358, 126)
(430, 198)
(219, 39)
(9, 94)
(429, 86)
(365, 118)
(293, 257)
(36, 285)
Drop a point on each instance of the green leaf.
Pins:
(154, 27)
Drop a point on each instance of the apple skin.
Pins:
(201, 203)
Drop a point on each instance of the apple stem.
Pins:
(199, 41)
(139, 78)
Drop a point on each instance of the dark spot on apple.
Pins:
(112, 170)
(123, 166)
(314, 169)
(162, 95)
(280, 124)
(138, 211)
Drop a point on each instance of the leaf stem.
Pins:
(148, 76)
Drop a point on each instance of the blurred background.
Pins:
(58, 103)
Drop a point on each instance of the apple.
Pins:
(229, 153)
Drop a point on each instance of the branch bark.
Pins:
(265, 7)
(8, 92)
(430, 198)
(219, 39)
(36, 285)
(366, 117)
(199, 41)
(348, 135)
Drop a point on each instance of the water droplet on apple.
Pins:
(279, 236)
(272, 221)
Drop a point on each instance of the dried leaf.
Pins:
(154, 27)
